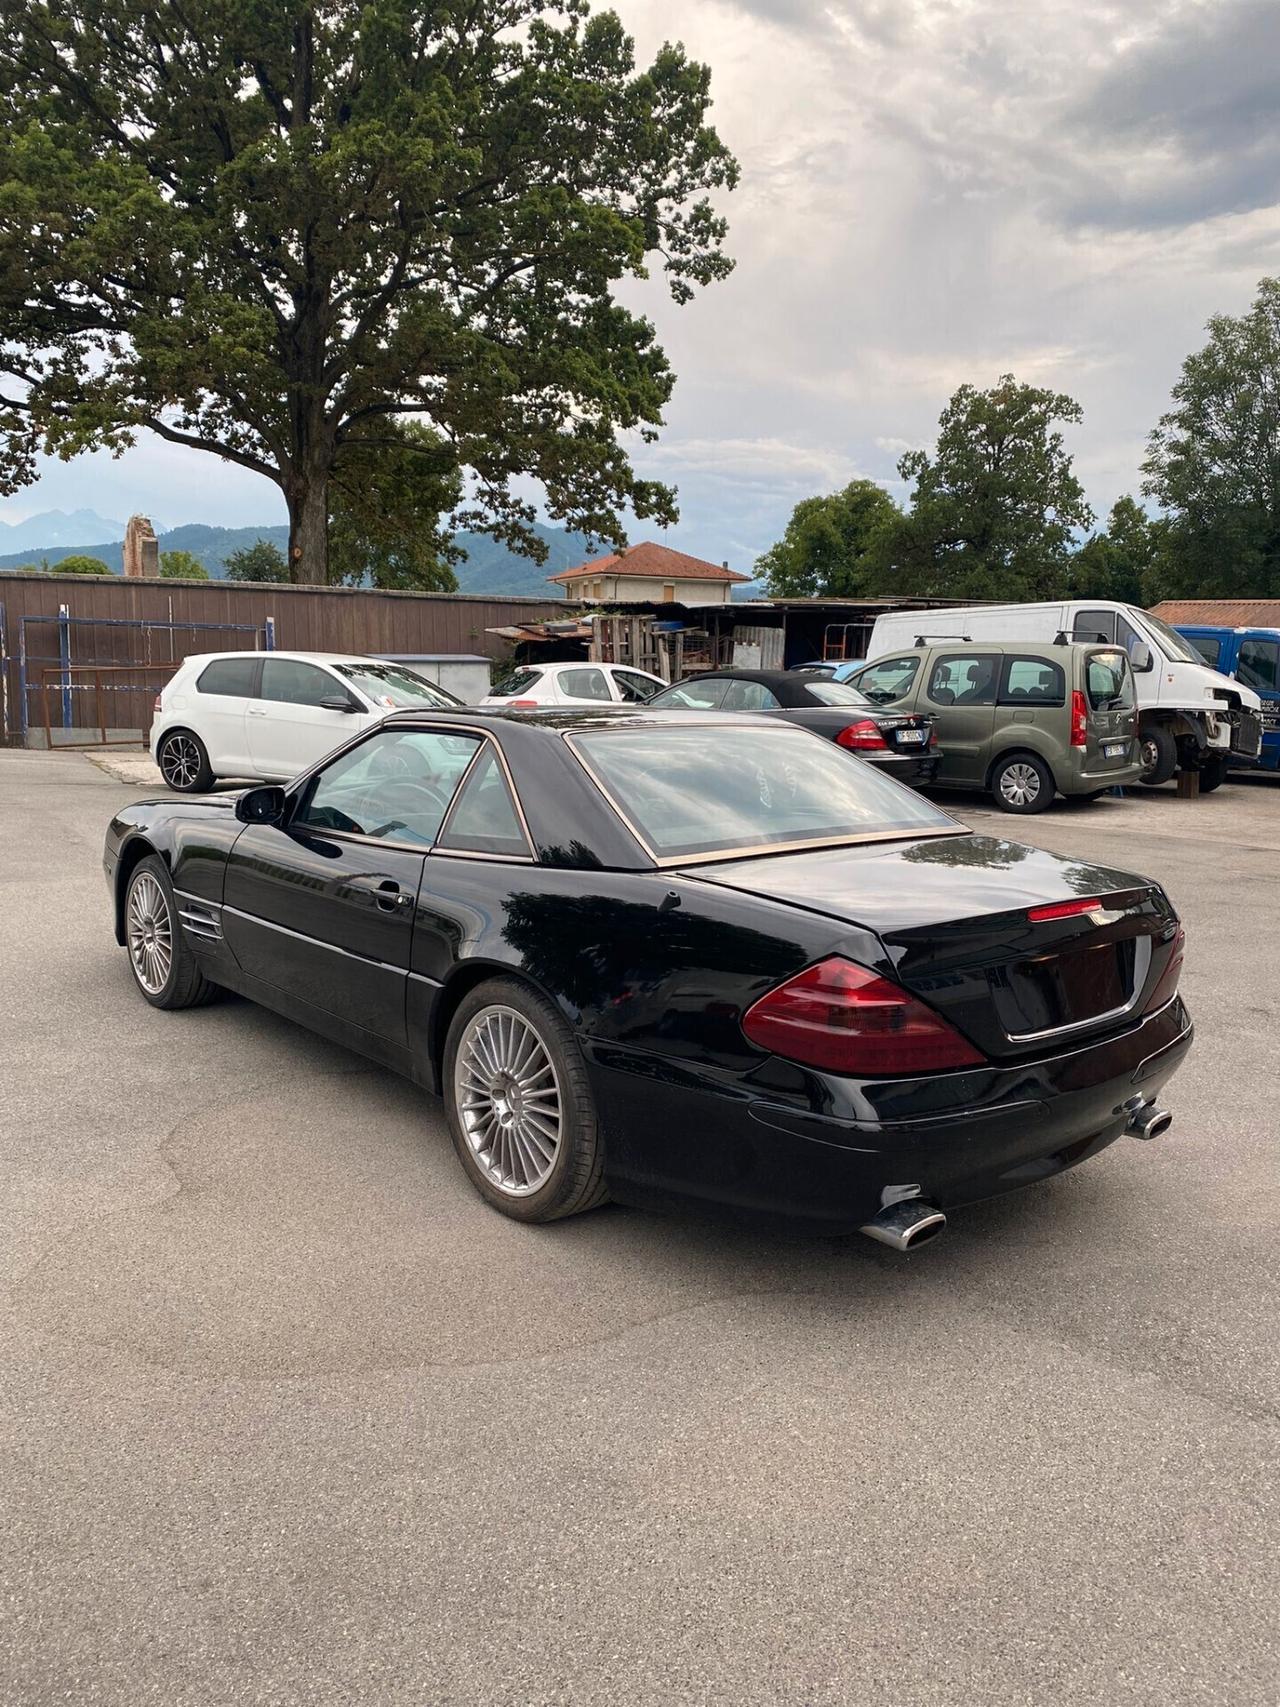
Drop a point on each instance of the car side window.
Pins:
(890, 679)
(290, 682)
(234, 677)
(1209, 648)
(749, 696)
(695, 694)
(484, 817)
(634, 688)
(1032, 681)
(963, 678)
(584, 684)
(396, 785)
(1259, 665)
(1094, 625)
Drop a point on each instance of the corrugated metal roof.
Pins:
(1219, 613)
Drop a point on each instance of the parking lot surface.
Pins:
(288, 1415)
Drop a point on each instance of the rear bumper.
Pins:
(824, 1150)
(906, 767)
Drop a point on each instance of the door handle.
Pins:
(386, 892)
(254, 712)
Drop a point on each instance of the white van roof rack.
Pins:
(928, 639)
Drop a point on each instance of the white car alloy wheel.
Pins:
(149, 929)
(508, 1097)
(1020, 784)
(180, 762)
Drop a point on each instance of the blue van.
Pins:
(1252, 657)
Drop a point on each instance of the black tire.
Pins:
(184, 762)
(1159, 752)
(1213, 773)
(1021, 783)
(574, 1180)
(179, 983)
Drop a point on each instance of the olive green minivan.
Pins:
(1021, 721)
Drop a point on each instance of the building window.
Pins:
(668, 592)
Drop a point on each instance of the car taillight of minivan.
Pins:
(842, 1018)
(1079, 720)
(861, 737)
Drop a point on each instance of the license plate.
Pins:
(911, 737)
(1115, 749)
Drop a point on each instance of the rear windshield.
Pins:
(836, 693)
(387, 684)
(520, 682)
(696, 791)
(1109, 682)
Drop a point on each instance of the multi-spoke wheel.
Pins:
(184, 763)
(519, 1104)
(1021, 783)
(164, 967)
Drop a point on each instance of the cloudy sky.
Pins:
(932, 191)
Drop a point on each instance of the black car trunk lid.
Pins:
(980, 930)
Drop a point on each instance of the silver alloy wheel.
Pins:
(1020, 784)
(507, 1094)
(179, 761)
(150, 932)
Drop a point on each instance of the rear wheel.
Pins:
(1020, 782)
(163, 966)
(184, 763)
(1159, 753)
(519, 1105)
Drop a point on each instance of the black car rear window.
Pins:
(697, 791)
(235, 676)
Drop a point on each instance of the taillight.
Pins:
(522, 705)
(1167, 983)
(1079, 720)
(844, 1019)
(1062, 910)
(861, 736)
(156, 706)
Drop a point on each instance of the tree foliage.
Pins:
(182, 566)
(386, 526)
(831, 545)
(268, 230)
(995, 507)
(261, 561)
(1213, 461)
(1120, 561)
(79, 564)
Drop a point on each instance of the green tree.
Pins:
(266, 230)
(261, 561)
(1213, 461)
(995, 508)
(79, 564)
(831, 544)
(1117, 563)
(388, 504)
(182, 566)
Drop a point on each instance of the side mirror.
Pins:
(1140, 659)
(339, 702)
(261, 805)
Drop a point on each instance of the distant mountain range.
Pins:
(53, 528)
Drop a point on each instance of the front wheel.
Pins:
(520, 1108)
(184, 763)
(1213, 773)
(1021, 783)
(163, 966)
(1159, 753)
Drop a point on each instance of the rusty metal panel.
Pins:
(1219, 613)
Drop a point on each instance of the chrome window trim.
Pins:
(528, 855)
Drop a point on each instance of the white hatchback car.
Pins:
(574, 683)
(269, 715)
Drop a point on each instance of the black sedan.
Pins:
(641, 964)
(902, 744)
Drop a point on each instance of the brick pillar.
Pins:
(141, 548)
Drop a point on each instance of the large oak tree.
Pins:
(276, 231)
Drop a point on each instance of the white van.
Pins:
(1189, 716)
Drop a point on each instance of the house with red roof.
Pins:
(649, 572)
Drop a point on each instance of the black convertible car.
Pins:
(901, 743)
(641, 964)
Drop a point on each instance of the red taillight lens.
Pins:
(861, 736)
(1062, 910)
(1079, 720)
(156, 706)
(522, 705)
(1167, 984)
(844, 1019)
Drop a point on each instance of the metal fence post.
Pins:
(64, 660)
(269, 633)
(23, 714)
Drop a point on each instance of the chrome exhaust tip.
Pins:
(1148, 1121)
(903, 1226)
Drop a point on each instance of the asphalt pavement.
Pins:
(287, 1415)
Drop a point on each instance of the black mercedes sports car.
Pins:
(640, 963)
(901, 743)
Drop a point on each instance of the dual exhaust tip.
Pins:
(904, 1226)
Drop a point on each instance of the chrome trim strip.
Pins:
(1141, 967)
(319, 942)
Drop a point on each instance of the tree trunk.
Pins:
(309, 532)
